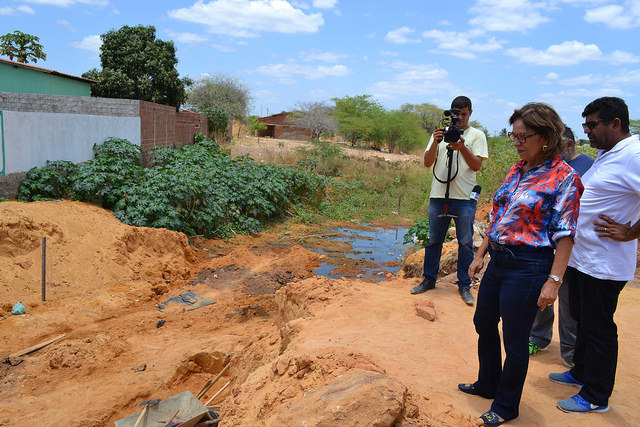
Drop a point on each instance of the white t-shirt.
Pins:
(612, 188)
(461, 186)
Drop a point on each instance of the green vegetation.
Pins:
(136, 65)
(21, 46)
(195, 189)
(223, 92)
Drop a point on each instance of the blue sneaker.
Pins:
(565, 378)
(577, 405)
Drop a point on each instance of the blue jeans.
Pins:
(465, 210)
(509, 289)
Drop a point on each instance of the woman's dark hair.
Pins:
(544, 120)
(609, 107)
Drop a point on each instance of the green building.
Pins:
(24, 78)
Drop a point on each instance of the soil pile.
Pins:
(86, 247)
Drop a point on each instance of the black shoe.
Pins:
(471, 389)
(424, 286)
(466, 295)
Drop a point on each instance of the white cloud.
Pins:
(621, 78)
(399, 35)
(325, 4)
(315, 55)
(569, 53)
(7, 11)
(91, 43)
(222, 47)
(459, 44)
(389, 53)
(187, 37)
(244, 18)
(66, 24)
(288, 70)
(552, 76)
(26, 9)
(508, 15)
(616, 16)
(410, 79)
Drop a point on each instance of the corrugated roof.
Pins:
(44, 70)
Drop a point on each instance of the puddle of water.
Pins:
(377, 246)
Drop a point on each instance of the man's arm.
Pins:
(616, 231)
(474, 162)
(432, 151)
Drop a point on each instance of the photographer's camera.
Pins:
(453, 133)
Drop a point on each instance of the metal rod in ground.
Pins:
(44, 269)
(219, 391)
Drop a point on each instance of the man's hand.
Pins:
(613, 230)
(475, 268)
(457, 145)
(438, 135)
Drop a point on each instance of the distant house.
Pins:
(278, 127)
(16, 77)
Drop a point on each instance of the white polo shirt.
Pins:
(465, 180)
(612, 188)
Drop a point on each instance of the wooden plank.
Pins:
(37, 346)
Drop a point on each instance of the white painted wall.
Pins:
(32, 138)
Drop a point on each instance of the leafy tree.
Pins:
(136, 65)
(476, 124)
(218, 119)
(23, 47)
(402, 130)
(428, 114)
(634, 126)
(357, 117)
(316, 116)
(255, 126)
(223, 92)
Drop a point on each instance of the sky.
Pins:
(500, 53)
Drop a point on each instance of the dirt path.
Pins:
(285, 333)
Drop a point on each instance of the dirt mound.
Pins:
(85, 245)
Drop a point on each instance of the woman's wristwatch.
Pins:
(555, 279)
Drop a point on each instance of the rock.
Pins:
(347, 401)
(426, 310)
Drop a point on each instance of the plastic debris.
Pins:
(18, 309)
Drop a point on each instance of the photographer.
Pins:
(455, 165)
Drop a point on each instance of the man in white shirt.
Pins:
(467, 153)
(604, 254)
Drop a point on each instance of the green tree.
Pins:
(223, 92)
(358, 117)
(136, 65)
(23, 47)
(402, 130)
(634, 126)
(255, 126)
(428, 114)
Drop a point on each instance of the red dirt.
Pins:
(285, 332)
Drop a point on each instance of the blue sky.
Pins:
(500, 53)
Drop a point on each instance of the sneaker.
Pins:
(565, 378)
(568, 364)
(466, 295)
(424, 286)
(534, 348)
(577, 405)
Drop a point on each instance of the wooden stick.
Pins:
(141, 416)
(171, 418)
(37, 346)
(206, 389)
(219, 391)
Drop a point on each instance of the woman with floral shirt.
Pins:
(530, 237)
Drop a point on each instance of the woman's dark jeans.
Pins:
(509, 289)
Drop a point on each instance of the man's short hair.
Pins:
(609, 107)
(568, 133)
(461, 102)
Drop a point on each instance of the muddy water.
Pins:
(366, 252)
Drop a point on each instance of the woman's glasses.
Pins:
(522, 136)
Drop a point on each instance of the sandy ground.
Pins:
(285, 333)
